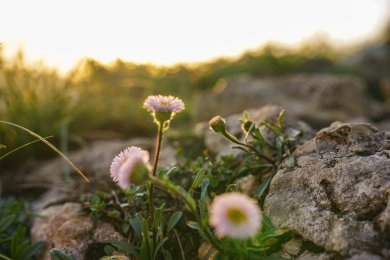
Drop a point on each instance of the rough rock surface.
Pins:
(220, 146)
(317, 99)
(63, 228)
(338, 194)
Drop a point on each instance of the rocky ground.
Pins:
(337, 197)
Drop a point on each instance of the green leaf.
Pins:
(197, 180)
(2, 146)
(289, 161)
(159, 245)
(126, 247)
(136, 225)
(57, 254)
(231, 187)
(173, 220)
(6, 222)
(32, 250)
(114, 257)
(171, 170)
(146, 245)
(278, 131)
(252, 126)
(260, 191)
(193, 224)
(203, 198)
(267, 224)
(158, 218)
(280, 118)
(3, 257)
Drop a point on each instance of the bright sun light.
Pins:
(171, 31)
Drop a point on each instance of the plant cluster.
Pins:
(164, 220)
(14, 238)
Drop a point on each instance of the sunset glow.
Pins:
(167, 32)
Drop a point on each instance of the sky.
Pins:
(60, 33)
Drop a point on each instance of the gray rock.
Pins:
(338, 194)
(62, 227)
(315, 256)
(373, 63)
(292, 247)
(317, 99)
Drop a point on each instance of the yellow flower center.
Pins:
(236, 216)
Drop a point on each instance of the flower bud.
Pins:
(140, 173)
(218, 124)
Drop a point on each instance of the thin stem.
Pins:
(181, 247)
(155, 163)
(236, 141)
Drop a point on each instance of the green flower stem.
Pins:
(190, 203)
(233, 139)
(155, 163)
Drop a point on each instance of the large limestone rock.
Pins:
(338, 195)
(317, 99)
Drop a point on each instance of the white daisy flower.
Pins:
(131, 166)
(235, 215)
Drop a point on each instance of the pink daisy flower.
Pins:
(164, 104)
(235, 215)
(130, 166)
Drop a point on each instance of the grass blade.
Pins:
(48, 144)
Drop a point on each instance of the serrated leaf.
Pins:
(173, 220)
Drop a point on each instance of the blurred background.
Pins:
(80, 70)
